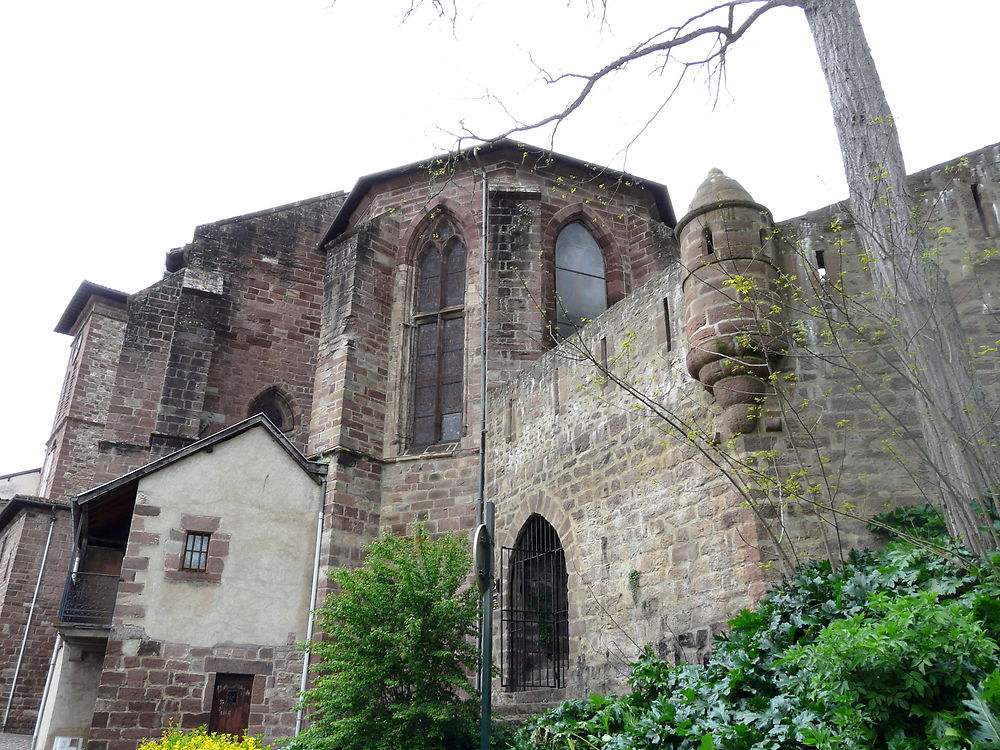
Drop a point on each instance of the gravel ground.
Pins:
(10, 741)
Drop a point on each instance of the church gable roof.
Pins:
(470, 157)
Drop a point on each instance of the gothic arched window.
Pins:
(581, 290)
(535, 614)
(439, 318)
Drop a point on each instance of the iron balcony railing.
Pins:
(89, 599)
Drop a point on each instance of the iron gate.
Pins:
(534, 632)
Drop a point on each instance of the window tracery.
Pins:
(439, 320)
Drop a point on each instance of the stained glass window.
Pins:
(440, 339)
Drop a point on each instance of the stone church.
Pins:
(309, 376)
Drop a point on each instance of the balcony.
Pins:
(89, 599)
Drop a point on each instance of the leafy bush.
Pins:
(896, 673)
(984, 711)
(896, 649)
(394, 670)
(200, 739)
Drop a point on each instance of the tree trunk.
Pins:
(958, 430)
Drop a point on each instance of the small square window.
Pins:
(195, 551)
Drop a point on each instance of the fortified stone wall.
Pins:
(660, 547)
(864, 419)
(653, 535)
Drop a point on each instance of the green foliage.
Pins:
(984, 711)
(894, 675)
(894, 649)
(395, 667)
(921, 521)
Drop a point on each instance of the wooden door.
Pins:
(231, 703)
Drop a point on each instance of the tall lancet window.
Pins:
(581, 291)
(439, 317)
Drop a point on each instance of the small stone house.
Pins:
(189, 593)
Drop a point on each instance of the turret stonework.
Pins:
(730, 298)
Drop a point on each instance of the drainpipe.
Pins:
(27, 625)
(312, 603)
(45, 691)
(485, 510)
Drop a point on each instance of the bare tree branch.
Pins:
(723, 36)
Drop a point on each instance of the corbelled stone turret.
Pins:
(730, 297)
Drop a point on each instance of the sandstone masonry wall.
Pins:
(24, 541)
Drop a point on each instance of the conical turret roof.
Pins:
(718, 187)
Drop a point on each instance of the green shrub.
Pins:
(895, 675)
(921, 521)
(891, 650)
(984, 711)
(394, 670)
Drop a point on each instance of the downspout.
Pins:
(27, 625)
(312, 604)
(485, 510)
(76, 526)
(483, 339)
(45, 691)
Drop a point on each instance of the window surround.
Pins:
(216, 551)
(535, 609)
(615, 259)
(274, 405)
(438, 329)
(581, 287)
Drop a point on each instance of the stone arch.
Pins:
(274, 404)
(551, 512)
(612, 255)
(614, 268)
(448, 210)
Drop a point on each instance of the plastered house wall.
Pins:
(173, 629)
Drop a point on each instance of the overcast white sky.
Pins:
(127, 123)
